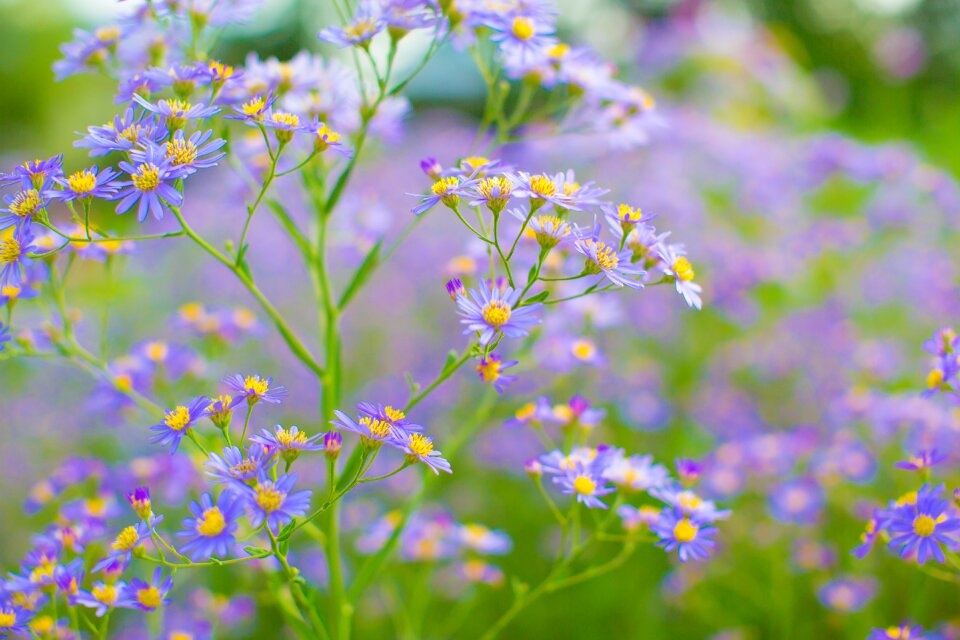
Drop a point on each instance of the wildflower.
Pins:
(325, 138)
(236, 469)
(21, 207)
(925, 526)
(455, 288)
(210, 532)
(606, 260)
(691, 537)
(447, 190)
(577, 411)
(549, 231)
(847, 594)
(147, 596)
(36, 174)
(127, 132)
(636, 473)
(431, 167)
(492, 311)
(481, 572)
(178, 421)
(799, 500)
(86, 183)
(332, 444)
(284, 124)
(542, 189)
(14, 620)
(177, 112)
(688, 470)
(274, 502)
(149, 183)
(255, 109)
(690, 503)
(676, 265)
(484, 540)
(372, 431)
(901, 632)
(586, 484)
(220, 411)
(190, 154)
(558, 463)
(253, 389)
(395, 417)
(494, 192)
(14, 256)
(358, 32)
(129, 538)
(921, 461)
(287, 442)
(633, 518)
(419, 448)
(69, 577)
(521, 36)
(102, 597)
(139, 499)
(491, 370)
(943, 342)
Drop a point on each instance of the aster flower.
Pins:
(676, 265)
(549, 231)
(275, 502)
(149, 183)
(603, 259)
(14, 620)
(220, 411)
(21, 207)
(542, 189)
(284, 124)
(491, 370)
(847, 594)
(900, 632)
(419, 448)
(86, 183)
(922, 461)
(481, 572)
(521, 36)
(691, 537)
(494, 192)
(799, 500)
(402, 16)
(585, 483)
(254, 110)
(68, 577)
(359, 31)
(176, 112)
(210, 532)
(633, 518)
(372, 431)
(253, 389)
(325, 138)
(332, 444)
(36, 174)
(15, 253)
(87, 52)
(942, 342)
(236, 469)
(102, 597)
(558, 463)
(193, 153)
(127, 132)
(139, 500)
(447, 190)
(482, 539)
(121, 549)
(147, 596)
(690, 503)
(491, 311)
(577, 411)
(688, 470)
(289, 443)
(395, 417)
(455, 288)
(636, 473)
(925, 527)
(178, 421)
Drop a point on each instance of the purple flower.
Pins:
(359, 31)
(149, 183)
(542, 189)
(195, 152)
(15, 255)
(676, 265)
(586, 484)
(492, 311)
(419, 448)
(899, 632)
(121, 549)
(274, 502)
(235, 469)
(36, 174)
(691, 537)
(102, 597)
(253, 389)
(924, 527)
(21, 207)
(636, 473)
(126, 133)
(491, 370)
(210, 532)
(606, 260)
(921, 461)
(178, 421)
(799, 500)
(847, 594)
(147, 596)
(289, 443)
(177, 112)
(86, 183)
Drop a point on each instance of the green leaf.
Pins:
(452, 357)
(286, 532)
(257, 552)
(540, 297)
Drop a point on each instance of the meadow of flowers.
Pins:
(287, 354)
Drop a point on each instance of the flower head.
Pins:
(210, 531)
(289, 443)
(358, 32)
(491, 370)
(691, 537)
(237, 469)
(253, 389)
(86, 183)
(585, 483)
(178, 421)
(600, 258)
(177, 112)
(925, 526)
(275, 502)
(419, 448)
(101, 597)
(675, 264)
(490, 311)
(150, 174)
(147, 596)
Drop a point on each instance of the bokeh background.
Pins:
(808, 157)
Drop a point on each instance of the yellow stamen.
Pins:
(147, 177)
(685, 531)
(496, 313)
(212, 523)
(420, 444)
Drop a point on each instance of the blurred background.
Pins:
(808, 158)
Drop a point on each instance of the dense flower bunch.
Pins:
(227, 494)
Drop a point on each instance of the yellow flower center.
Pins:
(420, 444)
(25, 203)
(7, 619)
(82, 182)
(689, 501)
(526, 412)
(361, 29)
(244, 467)
(583, 349)
(147, 177)
(685, 531)
(256, 385)
(42, 625)
(178, 419)
(149, 597)
(10, 251)
(283, 117)
(181, 635)
(378, 428)
(628, 214)
(488, 186)
(683, 269)
(328, 135)
(127, 539)
(105, 594)
(443, 185)
(131, 133)
(123, 382)
(177, 107)
(934, 378)
(606, 256)
(157, 351)
(523, 28)
(269, 498)
(255, 107)
(584, 485)
(558, 51)
(394, 414)
(543, 186)
(496, 313)
(489, 370)
(107, 35)
(211, 523)
(924, 526)
(182, 152)
(287, 437)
